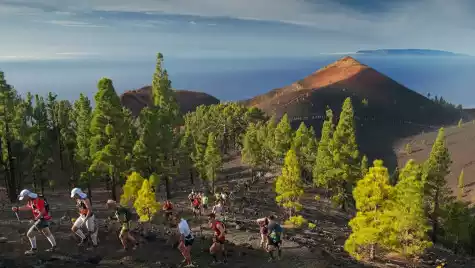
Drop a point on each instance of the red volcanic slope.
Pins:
(346, 77)
(188, 100)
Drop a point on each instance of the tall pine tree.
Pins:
(372, 195)
(289, 186)
(282, 137)
(346, 163)
(323, 167)
(436, 168)
(212, 160)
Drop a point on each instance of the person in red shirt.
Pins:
(168, 208)
(219, 238)
(41, 218)
(196, 205)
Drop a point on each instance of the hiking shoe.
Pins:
(82, 243)
(31, 252)
(190, 265)
(135, 246)
(215, 262)
(52, 249)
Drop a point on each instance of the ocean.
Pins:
(236, 79)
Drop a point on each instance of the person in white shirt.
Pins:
(218, 210)
(186, 240)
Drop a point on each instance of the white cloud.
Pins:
(70, 23)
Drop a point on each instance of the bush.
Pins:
(297, 221)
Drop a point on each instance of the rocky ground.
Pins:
(322, 247)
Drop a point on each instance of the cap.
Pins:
(76, 191)
(26, 192)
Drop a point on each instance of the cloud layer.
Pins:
(244, 27)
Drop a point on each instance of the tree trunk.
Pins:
(61, 149)
(167, 187)
(113, 186)
(11, 168)
(371, 251)
(435, 217)
(191, 177)
(35, 184)
(89, 190)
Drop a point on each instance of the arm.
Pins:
(261, 220)
(221, 230)
(89, 208)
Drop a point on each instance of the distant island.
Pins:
(418, 52)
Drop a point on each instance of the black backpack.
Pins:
(46, 202)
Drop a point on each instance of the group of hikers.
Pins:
(270, 230)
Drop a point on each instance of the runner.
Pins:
(186, 240)
(86, 217)
(218, 240)
(204, 202)
(197, 206)
(275, 238)
(224, 197)
(191, 196)
(263, 222)
(218, 210)
(168, 208)
(123, 215)
(42, 219)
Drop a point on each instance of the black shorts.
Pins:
(189, 241)
(196, 207)
(275, 243)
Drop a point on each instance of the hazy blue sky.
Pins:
(47, 29)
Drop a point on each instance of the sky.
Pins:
(58, 29)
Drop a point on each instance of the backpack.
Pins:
(45, 201)
(278, 229)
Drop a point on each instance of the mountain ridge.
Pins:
(409, 52)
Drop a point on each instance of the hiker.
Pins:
(218, 210)
(40, 208)
(168, 208)
(86, 217)
(204, 202)
(224, 197)
(217, 197)
(191, 196)
(218, 239)
(263, 222)
(186, 239)
(123, 215)
(274, 238)
(197, 206)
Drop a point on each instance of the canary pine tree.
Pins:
(346, 163)
(289, 186)
(308, 154)
(282, 137)
(252, 148)
(146, 205)
(372, 195)
(185, 150)
(164, 99)
(82, 118)
(212, 160)
(109, 135)
(322, 175)
(436, 168)
(407, 219)
(131, 188)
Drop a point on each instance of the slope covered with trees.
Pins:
(406, 212)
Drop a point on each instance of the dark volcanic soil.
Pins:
(302, 248)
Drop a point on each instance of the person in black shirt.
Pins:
(123, 215)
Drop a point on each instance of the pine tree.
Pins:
(130, 189)
(41, 143)
(289, 186)
(364, 166)
(283, 137)
(408, 232)
(322, 175)
(436, 168)
(82, 117)
(371, 194)
(212, 160)
(185, 153)
(308, 154)
(267, 135)
(165, 100)
(394, 178)
(461, 186)
(252, 149)
(345, 156)
(8, 103)
(145, 204)
(109, 135)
